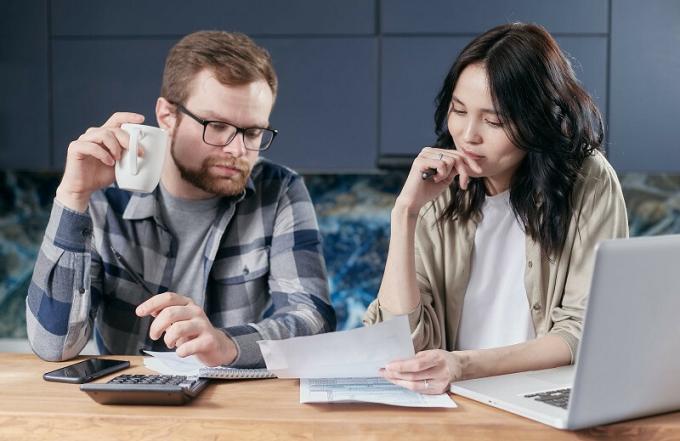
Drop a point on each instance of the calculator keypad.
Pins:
(149, 379)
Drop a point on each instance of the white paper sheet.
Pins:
(355, 353)
(169, 363)
(367, 390)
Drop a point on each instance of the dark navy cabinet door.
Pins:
(326, 110)
(644, 86)
(24, 118)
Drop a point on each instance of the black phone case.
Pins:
(53, 376)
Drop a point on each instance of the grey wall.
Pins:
(357, 77)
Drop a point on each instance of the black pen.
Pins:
(138, 280)
(428, 173)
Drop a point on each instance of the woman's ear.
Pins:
(166, 115)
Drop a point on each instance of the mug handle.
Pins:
(132, 153)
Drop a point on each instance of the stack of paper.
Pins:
(343, 366)
(169, 363)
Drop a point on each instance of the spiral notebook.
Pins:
(169, 363)
(234, 373)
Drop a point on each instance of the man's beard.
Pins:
(219, 185)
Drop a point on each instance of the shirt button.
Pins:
(246, 271)
(537, 306)
(81, 290)
(530, 264)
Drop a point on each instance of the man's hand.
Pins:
(429, 372)
(187, 329)
(90, 160)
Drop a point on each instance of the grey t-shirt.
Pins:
(189, 222)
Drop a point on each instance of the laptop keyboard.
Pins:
(558, 397)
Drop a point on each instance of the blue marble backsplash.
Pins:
(353, 213)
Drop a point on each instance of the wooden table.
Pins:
(31, 408)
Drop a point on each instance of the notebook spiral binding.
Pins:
(234, 373)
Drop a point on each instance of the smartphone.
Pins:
(86, 370)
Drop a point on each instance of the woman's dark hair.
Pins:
(544, 111)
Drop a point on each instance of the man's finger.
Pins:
(160, 301)
(180, 332)
(107, 139)
(193, 346)
(83, 149)
(119, 118)
(166, 318)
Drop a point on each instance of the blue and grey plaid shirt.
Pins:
(265, 276)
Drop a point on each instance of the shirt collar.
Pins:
(145, 205)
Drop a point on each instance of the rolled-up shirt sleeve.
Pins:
(601, 215)
(58, 305)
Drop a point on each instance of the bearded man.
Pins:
(225, 251)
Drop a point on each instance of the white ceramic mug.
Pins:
(142, 173)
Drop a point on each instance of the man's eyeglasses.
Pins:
(220, 133)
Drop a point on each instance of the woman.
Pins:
(493, 234)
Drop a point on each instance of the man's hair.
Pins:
(234, 58)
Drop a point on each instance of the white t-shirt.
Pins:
(496, 309)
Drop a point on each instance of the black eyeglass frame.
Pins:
(241, 130)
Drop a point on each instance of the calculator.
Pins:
(146, 389)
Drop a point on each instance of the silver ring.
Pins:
(441, 155)
(426, 382)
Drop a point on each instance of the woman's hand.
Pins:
(429, 372)
(448, 164)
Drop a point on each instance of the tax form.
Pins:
(367, 390)
(343, 366)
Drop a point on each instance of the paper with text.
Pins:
(367, 390)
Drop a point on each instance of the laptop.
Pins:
(628, 361)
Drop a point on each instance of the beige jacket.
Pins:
(556, 289)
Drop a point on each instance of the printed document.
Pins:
(343, 366)
(367, 390)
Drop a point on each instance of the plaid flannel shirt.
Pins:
(264, 271)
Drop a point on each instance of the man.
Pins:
(228, 240)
